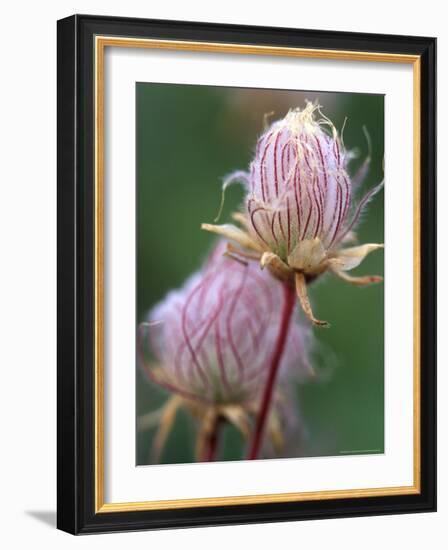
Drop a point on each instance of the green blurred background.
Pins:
(188, 139)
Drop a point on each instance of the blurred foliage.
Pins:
(188, 139)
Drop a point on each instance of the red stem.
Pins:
(211, 445)
(288, 307)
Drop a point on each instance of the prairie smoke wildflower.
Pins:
(300, 209)
(213, 340)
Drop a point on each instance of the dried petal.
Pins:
(230, 231)
(307, 255)
(349, 258)
(359, 281)
(302, 294)
(277, 266)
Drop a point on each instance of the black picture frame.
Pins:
(76, 253)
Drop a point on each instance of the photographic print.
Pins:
(260, 305)
(246, 274)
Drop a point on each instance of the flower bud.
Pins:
(299, 207)
(299, 189)
(213, 338)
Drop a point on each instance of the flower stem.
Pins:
(288, 307)
(211, 444)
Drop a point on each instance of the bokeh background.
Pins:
(188, 139)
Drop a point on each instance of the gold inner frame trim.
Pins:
(101, 42)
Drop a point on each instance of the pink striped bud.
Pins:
(299, 189)
(213, 338)
(299, 207)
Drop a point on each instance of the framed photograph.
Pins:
(246, 274)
